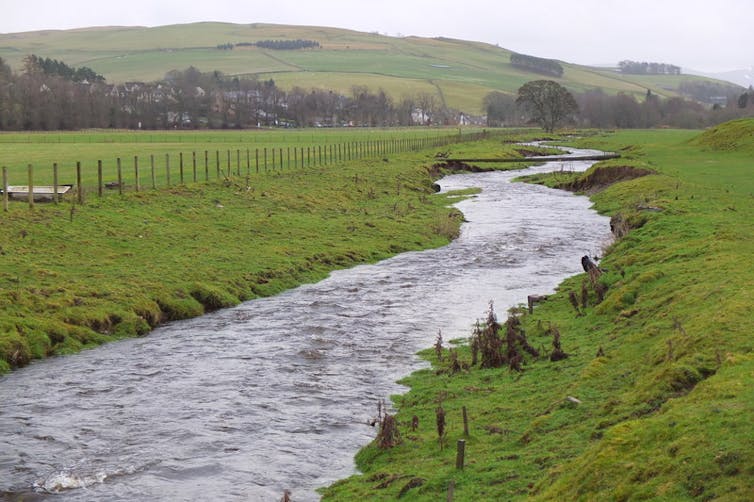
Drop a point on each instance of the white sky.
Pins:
(694, 34)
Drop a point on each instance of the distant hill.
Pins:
(457, 72)
(744, 78)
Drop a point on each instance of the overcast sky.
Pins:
(702, 35)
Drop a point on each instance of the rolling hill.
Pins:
(459, 73)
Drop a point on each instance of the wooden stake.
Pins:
(5, 189)
(460, 453)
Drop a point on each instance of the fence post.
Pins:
(136, 172)
(120, 177)
(248, 162)
(167, 168)
(230, 173)
(289, 158)
(80, 187)
(31, 186)
(281, 159)
(274, 162)
(206, 165)
(151, 170)
(217, 162)
(265, 160)
(5, 189)
(193, 164)
(295, 157)
(465, 422)
(256, 154)
(238, 162)
(99, 179)
(55, 196)
(460, 453)
(180, 166)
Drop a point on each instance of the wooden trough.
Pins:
(39, 193)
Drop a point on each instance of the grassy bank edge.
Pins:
(655, 421)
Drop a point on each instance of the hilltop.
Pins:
(458, 73)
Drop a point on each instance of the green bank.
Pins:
(654, 399)
(76, 275)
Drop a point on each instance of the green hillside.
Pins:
(459, 73)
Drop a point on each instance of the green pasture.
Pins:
(464, 71)
(42, 150)
(655, 398)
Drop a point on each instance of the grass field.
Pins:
(401, 66)
(18, 150)
(655, 398)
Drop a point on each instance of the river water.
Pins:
(276, 393)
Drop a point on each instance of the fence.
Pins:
(152, 173)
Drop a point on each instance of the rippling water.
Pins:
(275, 394)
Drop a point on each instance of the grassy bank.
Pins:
(73, 276)
(655, 398)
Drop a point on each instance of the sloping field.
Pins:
(460, 72)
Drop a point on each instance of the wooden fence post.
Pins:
(265, 160)
(180, 167)
(30, 169)
(248, 162)
(274, 163)
(217, 162)
(120, 177)
(136, 172)
(206, 165)
(289, 158)
(5, 189)
(79, 186)
(193, 164)
(256, 155)
(99, 179)
(238, 162)
(460, 453)
(55, 195)
(465, 422)
(152, 173)
(281, 159)
(167, 168)
(230, 173)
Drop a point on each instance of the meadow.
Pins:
(237, 151)
(655, 396)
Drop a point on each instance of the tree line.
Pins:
(49, 95)
(549, 104)
(644, 68)
(280, 45)
(38, 99)
(538, 65)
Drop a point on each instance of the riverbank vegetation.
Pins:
(77, 275)
(642, 386)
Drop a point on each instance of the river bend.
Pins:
(274, 394)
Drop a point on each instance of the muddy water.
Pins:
(275, 394)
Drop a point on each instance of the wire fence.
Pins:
(153, 172)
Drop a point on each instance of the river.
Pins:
(276, 393)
